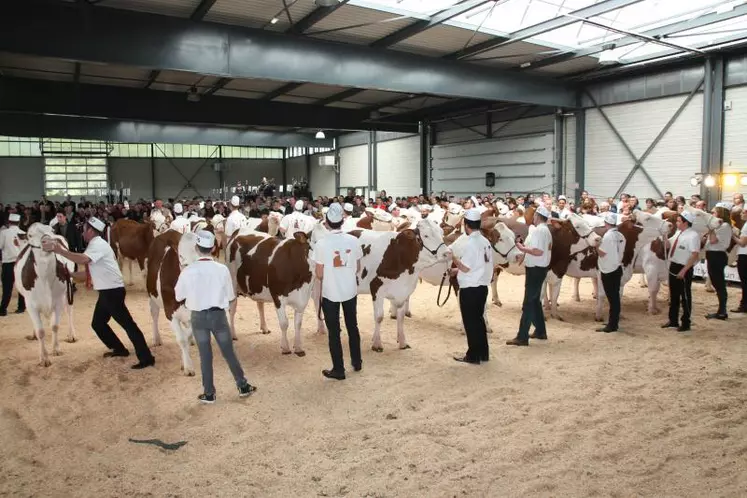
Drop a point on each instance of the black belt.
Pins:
(214, 308)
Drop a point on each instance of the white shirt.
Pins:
(339, 253)
(613, 245)
(564, 214)
(688, 242)
(478, 257)
(539, 237)
(234, 221)
(743, 233)
(723, 234)
(10, 244)
(296, 222)
(105, 272)
(205, 284)
(181, 225)
(349, 224)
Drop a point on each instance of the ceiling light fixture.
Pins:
(326, 3)
(193, 95)
(320, 135)
(274, 20)
(608, 57)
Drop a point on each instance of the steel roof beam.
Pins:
(104, 101)
(202, 10)
(313, 18)
(113, 36)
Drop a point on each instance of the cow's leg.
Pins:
(56, 325)
(129, 265)
(71, 324)
(599, 300)
(182, 338)
(553, 286)
(494, 289)
(297, 324)
(378, 305)
(232, 317)
(653, 292)
(485, 317)
(283, 322)
(576, 296)
(545, 295)
(595, 285)
(407, 308)
(154, 312)
(36, 320)
(642, 281)
(316, 291)
(401, 328)
(262, 322)
(392, 311)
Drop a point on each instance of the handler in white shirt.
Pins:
(610, 268)
(296, 221)
(717, 243)
(206, 289)
(338, 257)
(684, 252)
(10, 246)
(180, 224)
(741, 241)
(236, 219)
(474, 270)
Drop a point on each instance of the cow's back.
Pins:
(131, 239)
(156, 254)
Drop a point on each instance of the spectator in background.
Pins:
(671, 204)
(650, 206)
(701, 205)
(612, 205)
(738, 201)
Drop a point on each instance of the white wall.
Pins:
(569, 156)
(735, 137)
(398, 166)
(671, 164)
(21, 179)
(354, 166)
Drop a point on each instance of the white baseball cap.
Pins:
(455, 208)
(14, 217)
(96, 223)
(235, 201)
(205, 239)
(688, 216)
(348, 207)
(542, 211)
(299, 205)
(472, 215)
(334, 213)
(392, 207)
(426, 207)
(178, 208)
(562, 198)
(610, 218)
(202, 204)
(382, 215)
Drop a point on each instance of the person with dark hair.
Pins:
(716, 245)
(107, 280)
(536, 261)
(10, 247)
(473, 271)
(610, 252)
(684, 252)
(741, 242)
(338, 257)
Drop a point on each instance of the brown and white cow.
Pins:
(131, 240)
(44, 280)
(271, 270)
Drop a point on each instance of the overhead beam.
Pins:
(439, 110)
(139, 39)
(28, 125)
(313, 18)
(202, 10)
(50, 97)
(288, 87)
(543, 27)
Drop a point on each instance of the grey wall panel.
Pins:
(569, 157)
(171, 184)
(21, 179)
(672, 162)
(296, 168)
(537, 124)
(398, 166)
(461, 135)
(351, 139)
(383, 136)
(322, 179)
(252, 170)
(354, 166)
(132, 173)
(735, 137)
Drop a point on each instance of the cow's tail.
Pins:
(70, 293)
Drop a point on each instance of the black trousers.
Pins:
(717, 261)
(332, 320)
(472, 305)
(611, 284)
(531, 309)
(680, 291)
(742, 268)
(111, 304)
(8, 278)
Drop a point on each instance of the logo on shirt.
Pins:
(15, 242)
(338, 262)
(485, 255)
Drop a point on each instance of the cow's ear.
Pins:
(555, 222)
(301, 237)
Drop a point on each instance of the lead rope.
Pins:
(440, 288)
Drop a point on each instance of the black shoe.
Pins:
(207, 399)
(112, 354)
(333, 374)
(517, 342)
(534, 335)
(144, 364)
(683, 328)
(717, 316)
(670, 325)
(484, 358)
(3, 313)
(246, 390)
(465, 359)
(20, 311)
(739, 310)
(607, 329)
(358, 368)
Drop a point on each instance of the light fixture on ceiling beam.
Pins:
(608, 57)
(320, 135)
(326, 3)
(274, 20)
(193, 95)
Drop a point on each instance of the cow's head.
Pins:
(503, 241)
(703, 222)
(273, 223)
(37, 232)
(219, 222)
(584, 230)
(652, 222)
(159, 221)
(454, 215)
(431, 237)
(187, 249)
(318, 233)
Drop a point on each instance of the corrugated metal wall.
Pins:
(672, 162)
(569, 157)
(398, 166)
(735, 137)
(322, 182)
(354, 166)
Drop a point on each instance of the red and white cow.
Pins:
(271, 270)
(44, 280)
(131, 240)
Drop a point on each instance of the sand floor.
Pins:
(645, 412)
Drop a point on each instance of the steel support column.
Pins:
(426, 135)
(307, 160)
(580, 153)
(713, 126)
(153, 171)
(558, 154)
(285, 171)
(221, 176)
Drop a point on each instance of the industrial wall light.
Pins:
(728, 180)
(320, 135)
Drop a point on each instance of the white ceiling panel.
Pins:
(178, 77)
(254, 85)
(177, 8)
(8, 60)
(377, 25)
(317, 91)
(570, 67)
(226, 92)
(259, 13)
(441, 40)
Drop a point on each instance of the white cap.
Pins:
(14, 217)
(562, 198)
(205, 239)
(235, 201)
(334, 214)
(426, 207)
(472, 215)
(392, 207)
(542, 211)
(688, 216)
(610, 218)
(455, 208)
(347, 207)
(96, 223)
(202, 204)
(178, 209)
(325, 209)
(382, 215)
(126, 205)
(299, 205)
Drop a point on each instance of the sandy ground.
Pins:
(645, 412)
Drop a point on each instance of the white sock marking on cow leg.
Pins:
(182, 338)
(378, 306)
(599, 308)
(316, 291)
(494, 290)
(56, 328)
(71, 337)
(298, 340)
(283, 323)
(576, 296)
(232, 318)
(595, 285)
(392, 311)
(262, 322)
(653, 291)
(154, 312)
(401, 328)
(487, 321)
(132, 278)
(642, 281)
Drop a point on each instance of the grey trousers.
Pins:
(203, 323)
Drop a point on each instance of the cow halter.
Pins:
(434, 252)
(504, 256)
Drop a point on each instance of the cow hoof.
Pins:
(30, 337)
(322, 331)
(559, 318)
(285, 352)
(189, 373)
(71, 340)
(406, 346)
(577, 299)
(234, 338)
(45, 363)
(598, 319)
(378, 350)
(56, 353)
(498, 303)
(300, 354)
(490, 331)
(264, 332)
(393, 317)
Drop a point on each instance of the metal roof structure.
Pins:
(357, 64)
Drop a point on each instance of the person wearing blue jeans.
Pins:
(206, 289)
